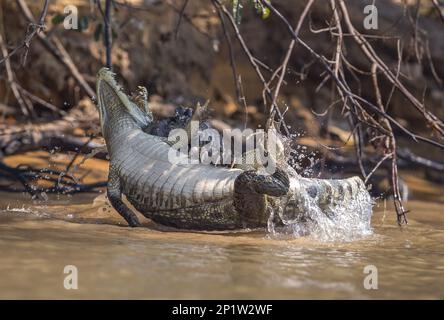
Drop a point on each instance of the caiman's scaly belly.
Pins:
(218, 215)
(188, 196)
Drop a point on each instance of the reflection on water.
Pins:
(38, 239)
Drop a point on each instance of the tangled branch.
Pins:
(361, 112)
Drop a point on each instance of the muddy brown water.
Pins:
(38, 239)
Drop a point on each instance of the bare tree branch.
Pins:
(58, 51)
(33, 29)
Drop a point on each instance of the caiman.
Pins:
(192, 196)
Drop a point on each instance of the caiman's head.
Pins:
(117, 112)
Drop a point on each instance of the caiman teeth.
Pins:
(108, 76)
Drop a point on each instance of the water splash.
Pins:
(306, 212)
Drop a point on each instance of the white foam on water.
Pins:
(23, 209)
(342, 221)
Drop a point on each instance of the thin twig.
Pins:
(179, 20)
(232, 60)
(284, 64)
(58, 51)
(107, 31)
(438, 9)
(33, 29)
(252, 60)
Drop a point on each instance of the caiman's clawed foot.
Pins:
(114, 192)
(140, 98)
(132, 220)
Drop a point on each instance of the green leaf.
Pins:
(98, 32)
(261, 9)
(265, 13)
(57, 19)
(237, 11)
(113, 34)
(83, 23)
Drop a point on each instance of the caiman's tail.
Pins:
(333, 191)
(327, 196)
(276, 184)
(250, 189)
(327, 209)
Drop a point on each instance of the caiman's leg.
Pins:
(184, 121)
(114, 192)
(200, 114)
(140, 98)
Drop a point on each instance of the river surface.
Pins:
(38, 239)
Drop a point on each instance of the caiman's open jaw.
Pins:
(111, 97)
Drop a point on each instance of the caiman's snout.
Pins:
(113, 103)
(110, 96)
(106, 86)
(107, 96)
